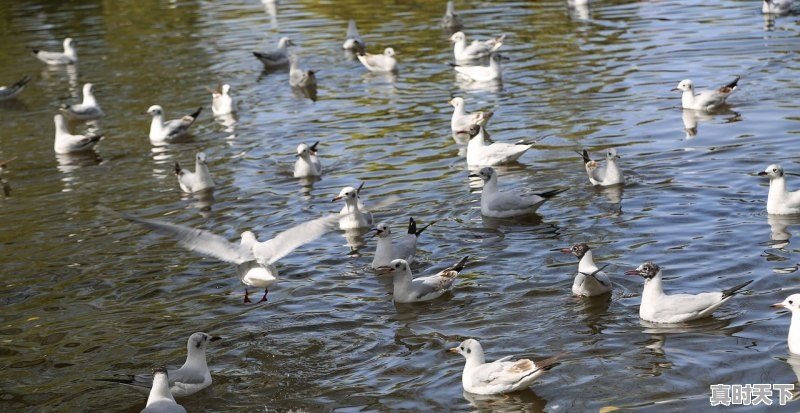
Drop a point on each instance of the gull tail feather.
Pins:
(178, 168)
(730, 292)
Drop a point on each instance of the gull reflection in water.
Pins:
(778, 228)
(228, 121)
(308, 92)
(271, 7)
(72, 77)
(579, 9)
(68, 163)
(466, 84)
(355, 239)
(521, 401)
(202, 200)
(692, 117)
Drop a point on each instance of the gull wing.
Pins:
(294, 237)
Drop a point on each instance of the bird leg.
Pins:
(246, 297)
(264, 298)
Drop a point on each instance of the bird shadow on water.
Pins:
(520, 401)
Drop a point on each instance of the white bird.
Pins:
(277, 57)
(607, 175)
(500, 376)
(481, 73)
(353, 214)
(67, 57)
(463, 121)
(497, 204)
(160, 399)
(792, 303)
(477, 49)
(299, 77)
(776, 6)
(308, 163)
(413, 290)
(451, 20)
(353, 41)
(165, 132)
(379, 62)
(69, 143)
(590, 280)
(10, 92)
(198, 180)
(255, 261)
(189, 379)
(481, 153)
(221, 100)
(658, 307)
(405, 248)
(86, 110)
(704, 99)
(779, 200)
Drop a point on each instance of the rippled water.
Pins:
(86, 295)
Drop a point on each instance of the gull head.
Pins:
(226, 88)
(58, 119)
(69, 43)
(647, 270)
(578, 250)
(773, 171)
(474, 130)
(285, 42)
(485, 173)
(791, 303)
(201, 157)
(686, 85)
(611, 153)
(456, 102)
(199, 341)
(394, 267)
(155, 110)
(388, 52)
(88, 89)
(468, 348)
(303, 151)
(382, 230)
(458, 37)
(347, 193)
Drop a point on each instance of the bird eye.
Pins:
(791, 302)
(774, 169)
(462, 348)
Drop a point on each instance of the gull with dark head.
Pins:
(780, 201)
(277, 57)
(405, 248)
(477, 49)
(481, 153)
(704, 99)
(86, 110)
(68, 57)
(381, 63)
(590, 280)
(162, 132)
(408, 289)
(196, 181)
(10, 92)
(604, 175)
(68, 143)
(308, 163)
(505, 204)
(659, 307)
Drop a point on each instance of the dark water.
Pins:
(86, 295)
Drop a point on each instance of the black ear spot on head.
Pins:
(469, 350)
(199, 343)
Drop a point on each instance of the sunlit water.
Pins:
(86, 295)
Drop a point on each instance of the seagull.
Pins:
(658, 307)
(479, 153)
(192, 377)
(165, 132)
(221, 100)
(591, 280)
(69, 143)
(776, 6)
(86, 110)
(792, 303)
(353, 215)
(500, 376)
(705, 99)
(379, 63)
(462, 121)
(10, 92)
(277, 57)
(408, 290)
(299, 77)
(354, 41)
(481, 73)
(307, 164)
(780, 201)
(68, 57)
(477, 49)
(607, 175)
(496, 204)
(450, 20)
(198, 180)
(405, 248)
(255, 261)
(160, 399)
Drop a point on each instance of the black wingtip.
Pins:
(34, 51)
(96, 138)
(22, 82)
(360, 187)
(412, 226)
(177, 168)
(585, 155)
(257, 54)
(730, 292)
(460, 265)
(424, 228)
(452, 64)
(313, 148)
(733, 84)
(552, 193)
(196, 113)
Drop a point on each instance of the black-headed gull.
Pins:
(497, 204)
(481, 73)
(221, 100)
(255, 261)
(353, 42)
(412, 290)
(277, 57)
(481, 153)
(387, 250)
(162, 132)
(10, 92)
(462, 122)
(500, 376)
(189, 379)
(606, 175)
(451, 20)
(776, 6)
(66, 142)
(160, 399)
(307, 163)
(67, 57)
(86, 110)
(196, 181)
(379, 62)
(590, 280)
(658, 307)
(704, 99)
(779, 200)
(477, 49)
(792, 303)
(300, 77)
